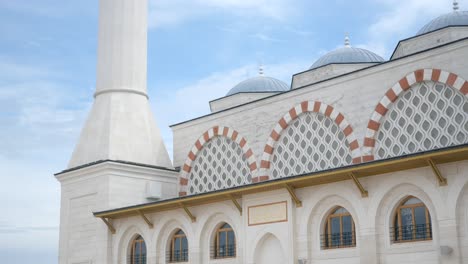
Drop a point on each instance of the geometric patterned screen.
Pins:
(220, 164)
(311, 142)
(427, 116)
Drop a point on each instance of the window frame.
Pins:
(397, 219)
(138, 240)
(327, 244)
(226, 230)
(174, 258)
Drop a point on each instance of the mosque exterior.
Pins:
(359, 160)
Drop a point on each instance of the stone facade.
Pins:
(300, 235)
(332, 119)
(354, 95)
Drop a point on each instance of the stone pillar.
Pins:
(301, 248)
(368, 246)
(195, 255)
(448, 248)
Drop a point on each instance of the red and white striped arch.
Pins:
(435, 75)
(291, 115)
(206, 137)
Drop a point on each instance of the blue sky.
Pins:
(198, 50)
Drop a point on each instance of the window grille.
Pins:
(428, 116)
(339, 230)
(224, 243)
(179, 251)
(311, 142)
(412, 222)
(137, 251)
(220, 164)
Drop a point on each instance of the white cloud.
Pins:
(192, 101)
(400, 20)
(172, 12)
(298, 31)
(265, 37)
(16, 72)
(35, 112)
(49, 8)
(31, 201)
(40, 117)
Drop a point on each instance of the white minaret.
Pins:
(121, 125)
(120, 159)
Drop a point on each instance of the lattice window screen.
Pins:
(220, 164)
(427, 116)
(310, 143)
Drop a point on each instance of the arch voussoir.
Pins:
(215, 131)
(304, 107)
(392, 94)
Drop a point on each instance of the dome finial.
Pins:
(346, 41)
(455, 5)
(260, 69)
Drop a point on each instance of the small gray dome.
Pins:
(259, 84)
(347, 54)
(456, 18)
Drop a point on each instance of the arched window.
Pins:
(312, 142)
(138, 251)
(179, 248)
(225, 242)
(429, 115)
(220, 164)
(412, 221)
(339, 230)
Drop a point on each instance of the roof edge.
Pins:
(342, 63)
(322, 81)
(227, 96)
(113, 161)
(417, 36)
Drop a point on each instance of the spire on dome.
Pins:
(260, 70)
(455, 5)
(346, 41)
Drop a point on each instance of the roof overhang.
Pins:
(418, 160)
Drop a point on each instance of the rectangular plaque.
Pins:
(268, 213)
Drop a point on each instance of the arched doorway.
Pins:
(269, 251)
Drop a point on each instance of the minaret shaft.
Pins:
(122, 46)
(120, 125)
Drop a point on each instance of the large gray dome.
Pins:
(259, 84)
(456, 18)
(347, 54)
